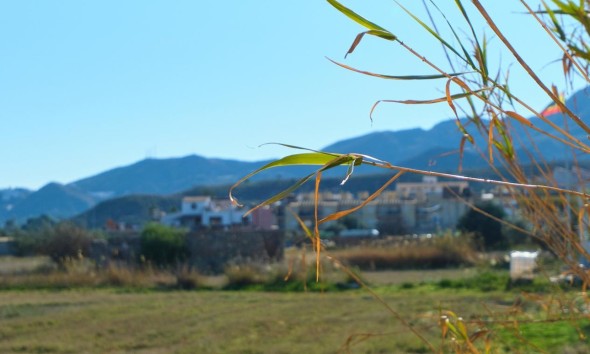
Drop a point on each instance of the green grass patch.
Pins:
(552, 337)
(499, 281)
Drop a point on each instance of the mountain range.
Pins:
(433, 149)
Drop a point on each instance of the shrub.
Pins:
(65, 243)
(244, 276)
(163, 245)
(188, 279)
(276, 278)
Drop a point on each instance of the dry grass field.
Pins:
(115, 321)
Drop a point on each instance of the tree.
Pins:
(488, 229)
(163, 245)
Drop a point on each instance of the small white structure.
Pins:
(522, 265)
(203, 212)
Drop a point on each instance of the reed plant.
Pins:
(490, 118)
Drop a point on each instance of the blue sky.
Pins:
(86, 86)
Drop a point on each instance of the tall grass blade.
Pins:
(433, 33)
(468, 60)
(480, 52)
(357, 18)
(397, 77)
(557, 26)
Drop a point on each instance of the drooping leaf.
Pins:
(397, 77)
(373, 29)
(279, 196)
(461, 151)
(449, 98)
(519, 118)
(436, 100)
(312, 158)
(491, 140)
(462, 329)
(359, 37)
(326, 160)
(304, 227)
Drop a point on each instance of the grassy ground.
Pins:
(110, 321)
(133, 313)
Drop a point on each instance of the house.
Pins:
(205, 213)
(430, 188)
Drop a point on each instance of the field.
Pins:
(46, 311)
(213, 322)
(124, 321)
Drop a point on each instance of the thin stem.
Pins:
(527, 68)
(387, 165)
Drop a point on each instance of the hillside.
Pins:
(54, 199)
(165, 176)
(128, 210)
(432, 149)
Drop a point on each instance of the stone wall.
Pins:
(211, 251)
(7, 246)
(120, 249)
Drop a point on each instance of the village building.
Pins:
(414, 207)
(205, 213)
(201, 212)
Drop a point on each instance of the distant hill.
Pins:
(130, 210)
(54, 199)
(404, 145)
(165, 176)
(432, 149)
(9, 198)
